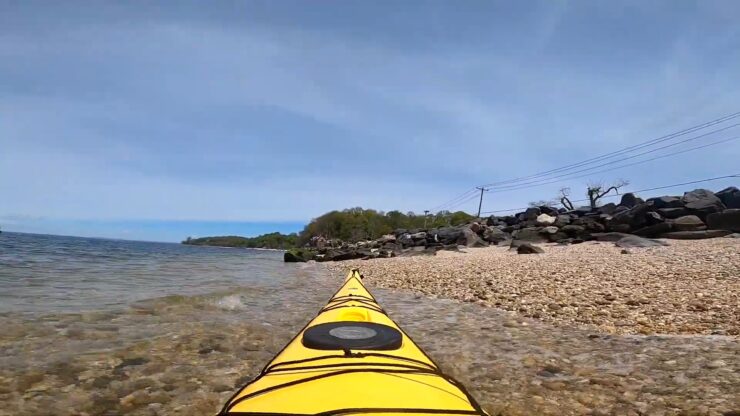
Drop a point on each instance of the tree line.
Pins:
(351, 225)
(271, 240)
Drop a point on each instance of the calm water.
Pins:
(103, 327)
(45, 273)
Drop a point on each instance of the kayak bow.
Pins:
(352, 359)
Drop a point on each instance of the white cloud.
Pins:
(142, 120)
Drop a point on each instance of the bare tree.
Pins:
(596, 191)
(564, 198)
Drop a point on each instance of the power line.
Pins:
(736, 175)
(524, 186)
(471, 198)
(513, 185)
(454, 201)
(622, 151)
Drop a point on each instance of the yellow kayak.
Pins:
(352, 359)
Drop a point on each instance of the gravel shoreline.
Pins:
(689, 287)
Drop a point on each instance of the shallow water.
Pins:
(48, 274)
(146, 328)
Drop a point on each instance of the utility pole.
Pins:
(480, 204)
(426, 214)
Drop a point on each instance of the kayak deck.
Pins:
(352, 359)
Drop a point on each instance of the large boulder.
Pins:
(405, 240)
(526, 248)
(727, 220)
(629, 200)
(510, 220)
(696, 235)
(672, 213)
(545, 220)
(590, 223)
(448, 235)
(652, 217)
(495, 236)
(492, 220)
(561, 220)
(318, 241)
(730, 197)
(531, 234)
(531, 213)
(620, 208)
(574, 230)
(607, 209)
(635, 217)
(688, 223)
(421, 235)
(549, 230)
(388, 238)
(654, 230)
(295, 256)
(702, 202)
(665, 202)
(472, 239)
(619, 228)
(559, 237)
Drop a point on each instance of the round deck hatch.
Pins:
(351, 335)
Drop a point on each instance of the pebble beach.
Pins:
(687, 287)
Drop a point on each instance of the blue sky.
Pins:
(159, 120)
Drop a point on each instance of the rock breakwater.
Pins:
(698, 214)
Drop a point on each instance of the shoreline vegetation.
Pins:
(271, 241)
(353, 224)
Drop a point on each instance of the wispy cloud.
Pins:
(279, 114)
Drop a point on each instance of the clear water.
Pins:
(105, 327)
(52, 274)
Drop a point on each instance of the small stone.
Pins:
(127, 362)
(527, 248)
(716, 364)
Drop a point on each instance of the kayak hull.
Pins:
(352, 359)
